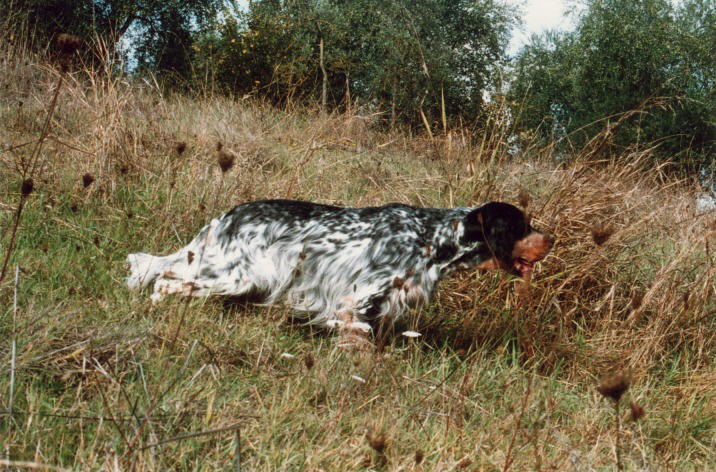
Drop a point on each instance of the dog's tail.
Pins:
(143, 269)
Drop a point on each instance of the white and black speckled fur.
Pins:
(323, 260)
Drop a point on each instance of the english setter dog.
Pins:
(341, 266)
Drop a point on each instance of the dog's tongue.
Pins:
(523, 267)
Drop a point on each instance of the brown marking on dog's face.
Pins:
(529, 250)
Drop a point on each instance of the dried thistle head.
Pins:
(523, 198)
(87, 180)
(67, 44)
(636, 411)
(226, 161)
(308, 361)
(180, 147)
(636, 300)
(614, 387)
(26, 187)
(377, 440)
(600, 234)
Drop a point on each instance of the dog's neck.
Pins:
(447, 248)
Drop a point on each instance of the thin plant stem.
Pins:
(619, 456)
(30, 170)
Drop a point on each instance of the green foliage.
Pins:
(624, 56)
(162, 32)
(393, 54)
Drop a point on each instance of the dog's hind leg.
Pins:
(169, 283)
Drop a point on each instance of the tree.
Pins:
(162, 30)
(393, 54)
(621, 55)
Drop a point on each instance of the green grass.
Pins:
(102, 375)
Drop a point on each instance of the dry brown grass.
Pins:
(499, 380)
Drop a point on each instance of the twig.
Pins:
(238, 449)
(518, 425)
(13, 232)
(616, 416)
(12, 365)
(14, 339)
(28, 465)
(123, 419)
(190, 435)
(304, 160)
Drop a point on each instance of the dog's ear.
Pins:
(497, 223)
(474, 224)
(478, 218)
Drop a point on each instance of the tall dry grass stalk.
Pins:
(27, 169)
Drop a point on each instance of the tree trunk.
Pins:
(324, 95)
(392, 105)
(348, 93)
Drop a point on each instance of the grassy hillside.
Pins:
(105, 380)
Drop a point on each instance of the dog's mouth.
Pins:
(523, 266)
(528, 251)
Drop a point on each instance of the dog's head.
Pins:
(505, 239)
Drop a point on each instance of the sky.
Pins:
(538, 16)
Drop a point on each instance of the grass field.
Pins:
(104, 380)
